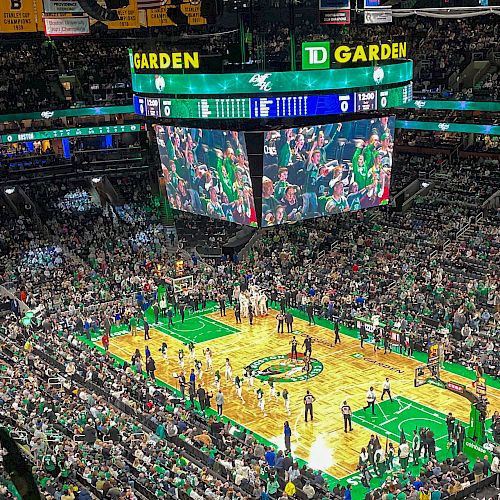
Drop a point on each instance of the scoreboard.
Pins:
(272, 106)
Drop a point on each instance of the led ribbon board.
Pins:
(272, 106)
(464, 128)
(453, 105)
(70, 132)
(268, 83)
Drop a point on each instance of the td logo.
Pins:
(316, 55)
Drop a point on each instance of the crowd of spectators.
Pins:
(113, 432)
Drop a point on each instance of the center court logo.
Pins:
(281, 368)
(316, 55)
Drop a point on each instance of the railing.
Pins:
(492, 201)
(446, 244)
(462, 230)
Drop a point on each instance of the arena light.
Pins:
(96, 180)
(425, 184)
(10, 190)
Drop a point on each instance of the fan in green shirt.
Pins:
(360, 169)
(282, 183)
(337, 202)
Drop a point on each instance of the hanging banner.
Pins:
(160, 16)
(381, 16)
(62, 7)
(128, 18)
(66, 26)
(336, 16)
(17, 16)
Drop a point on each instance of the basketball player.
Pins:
(263, 304)
(249, 376)
(164, 350)
(272, 388)
(386, 389)
(294, 348)
(286, 399)
(181, 358)
(198, 365)
(208, 358)
(191, 350)
(239, 388)
(217, 379)
(228, 370)
(261, 402)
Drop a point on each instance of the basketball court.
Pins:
(338, 373)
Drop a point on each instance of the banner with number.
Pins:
(129, 18)
(17, 16)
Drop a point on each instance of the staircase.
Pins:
(167, 215)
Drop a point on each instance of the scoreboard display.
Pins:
(272, 106)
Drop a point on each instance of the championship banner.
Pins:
(159, 17)
(17, 16)
(62, 7)
(128, 18)
(66, 26)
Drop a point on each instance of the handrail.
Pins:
(462, 230)
(446, 244)
(488, 202)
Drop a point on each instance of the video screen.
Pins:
(327, 169)
(206, 172)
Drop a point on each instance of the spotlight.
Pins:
(424, 184)
(96, 180)
(10, 190)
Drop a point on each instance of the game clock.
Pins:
(365, 101)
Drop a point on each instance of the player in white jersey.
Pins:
(198, 365)
(249, 376)
(228, 370)
(239, 388)
(208, 358)
(263, 304)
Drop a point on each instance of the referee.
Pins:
(308, 402)
(281, 319)
(347, 414)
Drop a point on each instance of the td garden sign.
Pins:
(317, 55)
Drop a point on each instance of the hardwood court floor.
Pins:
(322, 443)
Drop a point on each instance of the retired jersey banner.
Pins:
(17, 16)
(129, 18)
(66, 26)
